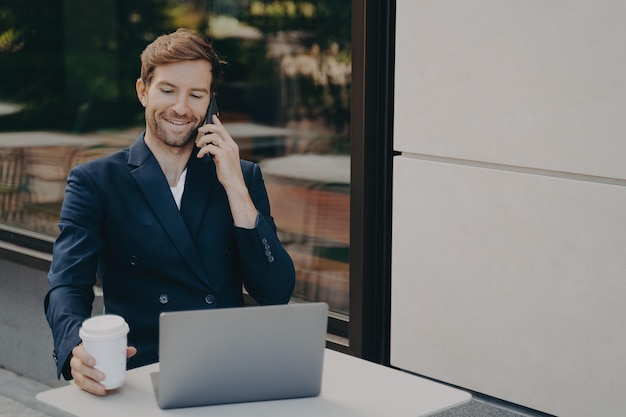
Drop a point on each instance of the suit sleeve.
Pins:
(268, 270)
(72, 273)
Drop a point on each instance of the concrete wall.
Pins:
(508, 258)
(25, 338)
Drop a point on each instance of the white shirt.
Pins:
(177, 191)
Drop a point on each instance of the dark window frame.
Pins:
(371, 124)
(26, 248)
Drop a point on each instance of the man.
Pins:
(175, 222)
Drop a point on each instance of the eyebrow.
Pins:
(169, 84)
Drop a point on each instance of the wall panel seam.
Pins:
(518, 169)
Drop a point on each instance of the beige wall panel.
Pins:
(529, 83)
(511, 284)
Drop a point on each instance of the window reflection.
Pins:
(284, 98)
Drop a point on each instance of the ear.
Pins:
(142, 92)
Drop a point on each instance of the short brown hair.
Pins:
(182, 45)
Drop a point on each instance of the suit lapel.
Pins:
(200, 181)
(149, 176)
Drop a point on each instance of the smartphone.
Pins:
(211, 110)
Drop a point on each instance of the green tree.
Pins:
(73, 64)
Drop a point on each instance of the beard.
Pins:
(161, 131)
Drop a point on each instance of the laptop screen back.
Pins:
(241, 354)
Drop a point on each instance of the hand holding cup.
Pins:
(105, 341)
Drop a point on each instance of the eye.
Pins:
(167, 90)
(197, 96)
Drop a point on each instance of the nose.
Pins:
(181, 105)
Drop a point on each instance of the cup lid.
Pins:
(108, 325)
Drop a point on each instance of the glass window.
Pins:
(68, 96)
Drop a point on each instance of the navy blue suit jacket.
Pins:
(120, 223)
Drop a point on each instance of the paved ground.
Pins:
(17, 397)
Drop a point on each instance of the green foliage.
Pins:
(72, 64)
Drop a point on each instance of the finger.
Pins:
(207, 139)
(81, 354)
(89, 385)
(216, 120)
(130, 351)
(88, 370)
(215, 127)
(214, 139)
(207, 149)
(219, 129)
(206, 127)
(86, 377)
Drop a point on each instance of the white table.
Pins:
(350, 387)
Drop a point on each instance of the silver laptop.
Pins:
(243, 354)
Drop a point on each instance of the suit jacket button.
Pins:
(164, 299)
(134, 260)
(209, 299)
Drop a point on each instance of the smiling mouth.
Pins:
(178, 122)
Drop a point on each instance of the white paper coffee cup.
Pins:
(105, 338)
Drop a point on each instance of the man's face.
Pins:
(176, 101)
